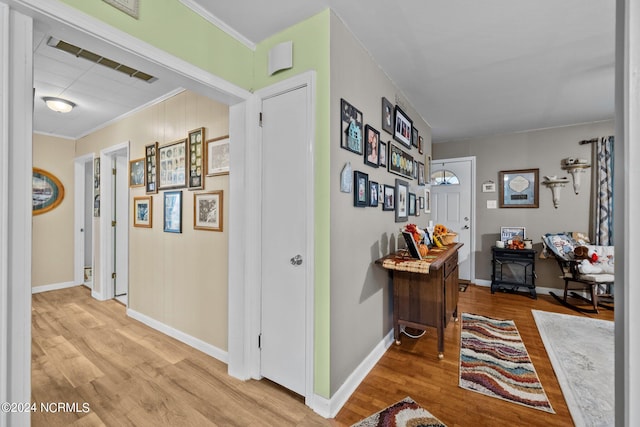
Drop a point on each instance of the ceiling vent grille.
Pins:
(98, 59)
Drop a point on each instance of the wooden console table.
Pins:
(425, 292)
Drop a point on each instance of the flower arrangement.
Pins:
(442, 236)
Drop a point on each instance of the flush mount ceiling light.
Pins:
(58, 105)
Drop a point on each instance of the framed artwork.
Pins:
(400, 163)
(402, 200)
(130, 7)
(420, 173)
(414, 137)
(351, 131)
(173, 165)
(361, 190)
(218, 156)
(136, 173)
(509, 233)
(417, 204)
(427, 200)
(389, 201)
(420, 145)
(207, 211)
(412, 204)
(173, 212)
(519, 188)
(372, 146)
(374, 188)
(47, 192)
(403, 127)
(196, 159)
(387, 116)
(383, 154)
(415, 169)
(142, 211)
(151, 165)
(489, 187)
(381, 194)
(420, 202)
(96, 187)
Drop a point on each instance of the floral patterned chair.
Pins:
(584, 267)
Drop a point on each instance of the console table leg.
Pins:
(440, 356)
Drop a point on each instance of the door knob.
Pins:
(466, 227)
(296, 260)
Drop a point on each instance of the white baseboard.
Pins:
(328, 408)
(194, 342)
(53, 287)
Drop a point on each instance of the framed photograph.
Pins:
(417, 203)
(351, 128)
(151, 167)
(361, 190)
(372, 146)
(420, 202)
(489, 187)
(130, 7)
(173, 165)
(421, 179)
(383, 154)
(173, 211)
(519, 188)
(136, 173)
(373, 193)
(387, 116)
(414, 137)
(196, 159)
(207, 211)
(381, 194)
(420, 145)
(415, 169)
(509, 233)
(142, 212)
(218, 156)
(402, 200)
(47, 192)
(403, 127)
(96, 187)
(400, 162)
(389, 201)
(427, 200)
(412, 204)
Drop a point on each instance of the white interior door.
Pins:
(284, 227)
(452, 205)
(121, 221)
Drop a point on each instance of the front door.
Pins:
(285, 131)
(451, 193)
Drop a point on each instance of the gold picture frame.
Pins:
(143, 211)
(208, 211)
(173, 165)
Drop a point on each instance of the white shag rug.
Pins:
(581, 350)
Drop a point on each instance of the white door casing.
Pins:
(80, 225)
(454, 206)
(121, 217)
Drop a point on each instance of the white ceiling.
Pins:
(469, 68)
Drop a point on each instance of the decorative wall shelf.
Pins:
(575, 170)
(555, 184)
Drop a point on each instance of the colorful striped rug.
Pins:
(495, 362)
(406, 413)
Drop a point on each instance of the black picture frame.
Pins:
(412, 204)
(371, 146)
(415, 169)
(387, 116)
(402, 200)
(389, 198)
(414, 137)
(421, 180)
(196, 159)
(420, 145)
(373, 193)
(403, 127)
(151, 167)
(351, 128)
(172, 209)
(360, 189)
(382, 157)
(400, 162)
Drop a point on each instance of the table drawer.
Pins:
(451, 264)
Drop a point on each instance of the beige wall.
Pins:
(361, 303)
(177, 279)
(52, 238)
(542, 149)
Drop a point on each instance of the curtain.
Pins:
(603, 191)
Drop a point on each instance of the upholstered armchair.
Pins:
(583, 267)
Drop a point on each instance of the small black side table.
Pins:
(513, 268)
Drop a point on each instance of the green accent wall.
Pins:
(311, 52)
(176, 29)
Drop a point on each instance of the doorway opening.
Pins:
(83, 222)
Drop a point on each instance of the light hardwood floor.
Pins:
(87, 351)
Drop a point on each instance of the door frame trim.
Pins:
(79, 164)
(106, 238)
(472, 235)
(254, 227)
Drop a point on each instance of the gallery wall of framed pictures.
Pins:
(393, 146)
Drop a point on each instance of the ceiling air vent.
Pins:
(98, 59)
